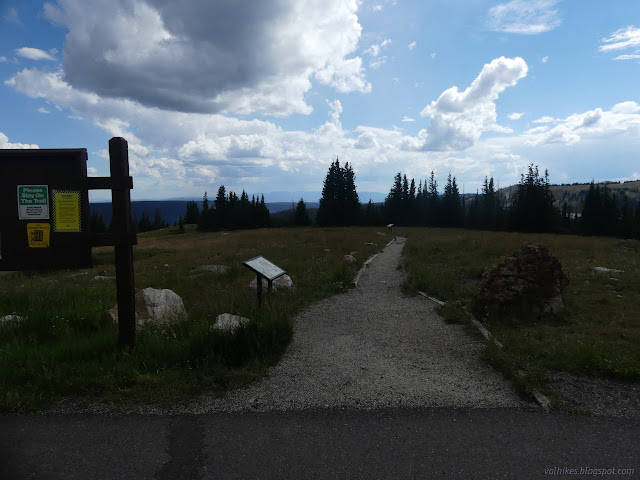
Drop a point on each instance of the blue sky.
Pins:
(263, 95)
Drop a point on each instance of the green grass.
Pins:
(62, 351)
(597, 334)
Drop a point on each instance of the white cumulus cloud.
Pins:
(4, 143)
(458, 119)
(515, 116)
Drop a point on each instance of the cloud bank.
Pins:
(209, 57)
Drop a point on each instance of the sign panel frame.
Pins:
(264, 267)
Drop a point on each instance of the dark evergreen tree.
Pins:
(432, 214)
(393, 202)
(301, 215)
(158, 221)
(144, 224)
(532, 208)
(452, 213)
(207, 221)
(192, 215)
(339, 204)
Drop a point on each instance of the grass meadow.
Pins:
(61, 351)
(598, 332)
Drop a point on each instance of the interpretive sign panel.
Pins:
(44, 209)
(264, 267)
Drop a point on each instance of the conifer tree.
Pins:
(339, 204)
(301, 215)
(192, 215)
(532, 208)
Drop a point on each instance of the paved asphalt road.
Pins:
(320, 444)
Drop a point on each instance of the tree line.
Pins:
(528, 208)
(227, 212)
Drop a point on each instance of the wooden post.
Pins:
(121, 224)
(259, 288)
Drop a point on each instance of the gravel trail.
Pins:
(371, 348)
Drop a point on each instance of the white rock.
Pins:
(10, 321)
(152, 306)
(607, 270)
(380, 234)
(97, 278)
(226, 321)
(281, 282)
(349, 258)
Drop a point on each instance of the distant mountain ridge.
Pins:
(574, 194)
(172, 210)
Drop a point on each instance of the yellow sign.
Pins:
(38, 235)
(66, 211)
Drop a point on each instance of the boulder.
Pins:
(283, 281)
(226, 321)
(153, 306)
(528, 283)
(10, 321)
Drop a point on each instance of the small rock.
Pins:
(381, 234)
(349, 258)
(607, 270)
(226, 321)
(326, 250)
(210, 269)
(283, 281)
(10, 321)
(97, 278)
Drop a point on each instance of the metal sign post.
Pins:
(263, 269)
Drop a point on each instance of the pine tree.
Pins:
(205, 215)
(532, 208)
(339, 204)
(452, 213)
(432, 216)
(393, 202)
(221, 203)
(301, 215)
(192, 215)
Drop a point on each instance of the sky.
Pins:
(263, 95)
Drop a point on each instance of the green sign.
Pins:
(33, 202)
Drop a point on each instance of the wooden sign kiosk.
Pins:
(44, 217)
